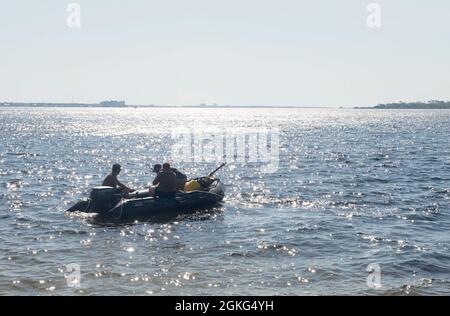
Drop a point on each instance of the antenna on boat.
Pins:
(220, 167)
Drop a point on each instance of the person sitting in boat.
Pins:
(181, 177)
(112, 181)
(165, 182)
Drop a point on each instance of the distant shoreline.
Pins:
(430, 105)
(88, 105)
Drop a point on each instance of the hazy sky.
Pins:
(240, 52)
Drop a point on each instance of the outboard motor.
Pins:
(105, 198)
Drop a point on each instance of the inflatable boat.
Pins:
(109, 203)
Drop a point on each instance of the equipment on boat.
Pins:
(192, 185)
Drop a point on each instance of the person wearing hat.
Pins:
(112, 181)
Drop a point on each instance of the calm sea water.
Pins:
(354, 187)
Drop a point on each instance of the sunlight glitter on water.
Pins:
(353, 187)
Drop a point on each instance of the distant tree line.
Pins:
(433, 104)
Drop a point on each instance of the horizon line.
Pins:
(118, 105)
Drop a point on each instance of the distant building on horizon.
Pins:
(113, 104)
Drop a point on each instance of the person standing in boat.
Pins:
(112, 181)
(181, 177)
(166, 182)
